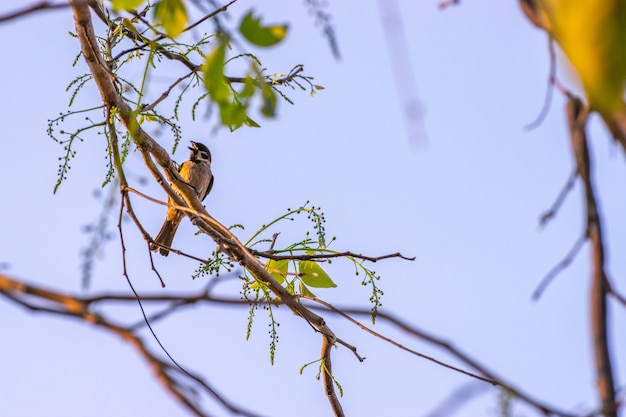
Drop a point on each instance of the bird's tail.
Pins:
(166, 235)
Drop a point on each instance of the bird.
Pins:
(197, 173)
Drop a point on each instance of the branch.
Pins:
(166, 93)
(558, 268)
(560, 199)
(18, 291)
(181, 384)
(577, 119)
(457, 399)
(619, 297)
(550, 88)
(145, 42)
(305, 257)
(343, 314)
(486, 374)
(327, 375)
(444, 4)
(35, 7)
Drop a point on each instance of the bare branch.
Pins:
(444, 4)
(558, 268)
(327, 375)
(457, 399)
(577, 119)
(396, 344)
(550, 87)
(166, 93)
(179, 301)
(179, 382)
(210, 15)
(486, 374)
(35, 7)
(145, 42)
(619, 297)
(305, 257)
(548, 215)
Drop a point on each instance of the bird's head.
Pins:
(199, 152)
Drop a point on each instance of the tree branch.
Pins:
(321, 256)
(577, 119)
(487, 375)
(180, 383)
(550, 213)
(35, 7)
(396, 344)
(20, 291)
(558, 268)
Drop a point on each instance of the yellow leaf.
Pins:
(172, 15)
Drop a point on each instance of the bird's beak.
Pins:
(193, 146)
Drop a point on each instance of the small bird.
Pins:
(197, 172)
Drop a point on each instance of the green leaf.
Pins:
(248, 88)
(128, 24)
(251, 123)
(172, 15)
(232, 115)
(314, 276)
(269, 101)
(259, 35)
(304, 290)
(214, 81)
(126, 4)
(278, 269)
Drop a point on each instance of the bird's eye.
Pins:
(204, 155)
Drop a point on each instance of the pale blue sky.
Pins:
(466, 205)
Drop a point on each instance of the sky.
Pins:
(464, 199)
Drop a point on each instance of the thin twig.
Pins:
(444, 4)
(343, 314)
(560, 199)
(558, 268)
(486, 374)
(125, 202)
(35, 7)
(150, 42)
(167, 92)
(549, 89)
(619, 297)
(457, 398)
(38, 299)
(209, 15)
(321, 256)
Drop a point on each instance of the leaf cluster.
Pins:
(158, 40)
